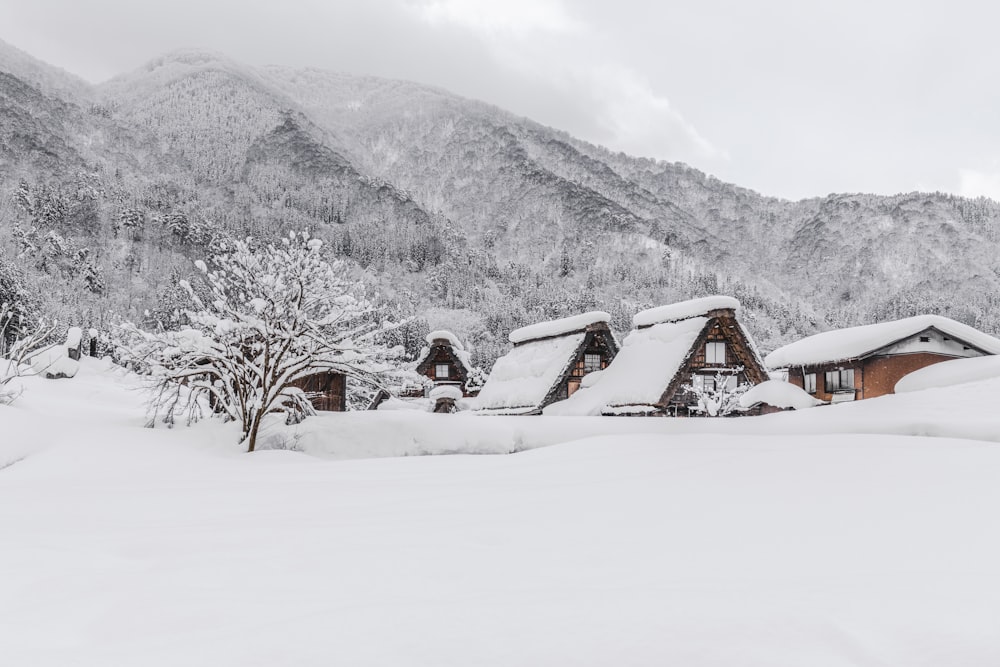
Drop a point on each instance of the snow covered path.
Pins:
(125, 546)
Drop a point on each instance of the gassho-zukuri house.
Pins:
(684, 344)
(867, 361)
(445, 361)
(547, 364)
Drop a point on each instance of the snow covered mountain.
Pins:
(463, 213)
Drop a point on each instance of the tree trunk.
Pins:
(252, 435)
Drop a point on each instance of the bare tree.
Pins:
(273, 315)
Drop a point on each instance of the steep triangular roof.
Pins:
(655, 357)
(527, 378)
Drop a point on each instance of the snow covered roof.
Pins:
(639, 375)
(521, 379)
(855, 342)
(675, 312)
(557, 327)
(463, 356)
(441, 334)
(780, 394)
(948, 373)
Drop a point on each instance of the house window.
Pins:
(809, 382)
(840, 380)
(715, 352)
(925, 339)
(708, 384)
(441, 371)
(591, 363)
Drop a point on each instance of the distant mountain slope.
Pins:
(461, 212)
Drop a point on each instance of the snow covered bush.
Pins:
(276, 313)
(16, 359)
(718, 396)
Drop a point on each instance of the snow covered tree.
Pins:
(276, 313)
(718, 396)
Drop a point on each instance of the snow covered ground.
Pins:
(831, 536)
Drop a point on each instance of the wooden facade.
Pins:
(443, 367)
(327, 390)
(721, 347)
(877, 372)
(594, 354)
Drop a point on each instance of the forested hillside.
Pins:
(456, 212)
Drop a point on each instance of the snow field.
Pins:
(788, 540)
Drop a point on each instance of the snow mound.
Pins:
(780, 394)
(445, 391)
(53, 362)
(73, 337)
(948, 373)
(854, 342)
(441, 334)
(557, 327)
(640, 373)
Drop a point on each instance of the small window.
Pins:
(715, 352)
(591, 363)
(441, 371)
(809, 382)
(925, 339)
(840, 380)
(708, 384)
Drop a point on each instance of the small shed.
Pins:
(867, 361)
(445, 361)
(327, 390)
(691, 343)
(547, 363)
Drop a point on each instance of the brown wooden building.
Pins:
(327, 390)
(445, 361)
(867, 361)
(695, 343)
(547, 364)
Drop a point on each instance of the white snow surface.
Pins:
(557, 327)
(54, 362)
(780, 394)
(696, 542)
(445, 335)
(854, 342)
(683, 310)
(521, 379)
(947, 373)
(445, 391)
(639, 374)
(73, 337)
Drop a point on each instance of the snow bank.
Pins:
(53, 362)
(780, 394)
(521, 379)
(947, 373)
(557, 327)
(640, 373)
(841, 344)
(684, 310)
(445, 391)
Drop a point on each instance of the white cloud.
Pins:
(515, 18)
(973, 183)
(542, 42)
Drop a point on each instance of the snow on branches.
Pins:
(271, 315)
(717, 396)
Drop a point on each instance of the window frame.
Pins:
(437, 371)
(809, 382)
(712, 352)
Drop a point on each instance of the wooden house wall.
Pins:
(330, 391)
(443, 354)
(874, 376)
(725, 329)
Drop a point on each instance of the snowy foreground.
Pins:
(833, 536)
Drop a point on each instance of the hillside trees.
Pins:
(272, 315)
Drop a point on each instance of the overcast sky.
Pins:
(790, 98)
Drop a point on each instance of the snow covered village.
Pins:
(300, 366)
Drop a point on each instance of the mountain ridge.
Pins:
(456, 206)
